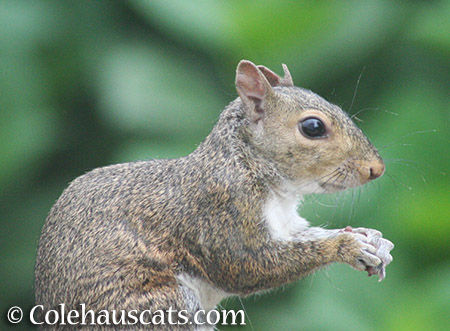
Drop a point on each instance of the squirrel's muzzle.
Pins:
(370, 170)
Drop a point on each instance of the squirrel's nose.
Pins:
(376, 169)
(370, 170)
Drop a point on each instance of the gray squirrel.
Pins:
(186, 233)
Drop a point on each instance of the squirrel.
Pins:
(186, 233)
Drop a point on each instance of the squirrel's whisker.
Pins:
(393, 142)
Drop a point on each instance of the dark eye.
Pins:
(312, 127)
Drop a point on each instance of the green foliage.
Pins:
(89, 83)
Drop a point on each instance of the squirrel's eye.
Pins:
(312, 127)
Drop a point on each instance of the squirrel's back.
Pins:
(152, 215)
(93, 229)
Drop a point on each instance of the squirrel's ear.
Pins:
(287, 79)
(276, 80)
(253, 87)
(272, 77)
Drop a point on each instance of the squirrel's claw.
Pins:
(382, 249)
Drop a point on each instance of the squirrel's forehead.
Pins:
(306, 99)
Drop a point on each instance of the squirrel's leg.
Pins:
(279, 262)
(136, 280)
(167, 306)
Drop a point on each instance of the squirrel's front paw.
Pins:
(369, 251)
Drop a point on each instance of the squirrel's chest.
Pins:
(281, 217)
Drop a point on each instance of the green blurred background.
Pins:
(84, 84)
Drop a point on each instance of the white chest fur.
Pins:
(282, 219)
(208, 295)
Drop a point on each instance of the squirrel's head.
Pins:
(313, 143)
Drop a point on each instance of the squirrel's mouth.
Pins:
(333, 187)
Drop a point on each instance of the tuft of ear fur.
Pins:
(253, 88)
(287, 79)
